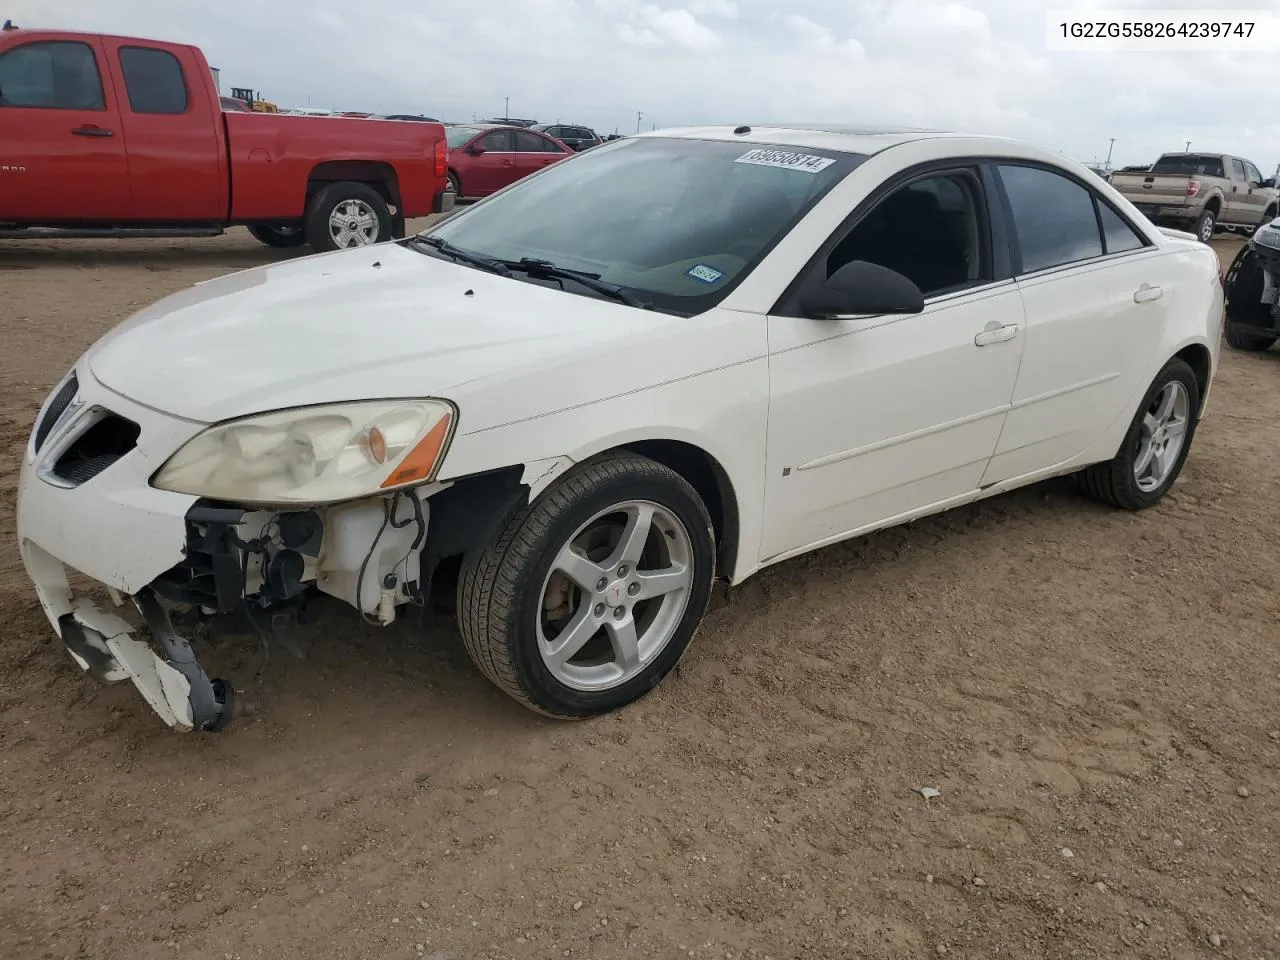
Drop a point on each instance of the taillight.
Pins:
(1193, 187)
(442, 158)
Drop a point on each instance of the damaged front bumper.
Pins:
(90, 526)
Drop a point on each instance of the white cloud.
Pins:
(972, 64)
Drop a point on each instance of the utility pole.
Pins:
(506, 108)
(638, 116)
(1109, 149)
(1188, 148)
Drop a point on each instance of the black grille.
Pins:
(109, 439)
(66, 393)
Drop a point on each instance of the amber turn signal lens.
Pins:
(421, 460)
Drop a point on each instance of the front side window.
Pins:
(153, 80)
(1251, 173)
(1237, 170)
(675, 221)
(500, 141)
(58, 75)
(1053, 217)
(932, 231)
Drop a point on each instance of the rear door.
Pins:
(62, 149)
(1238, 207)
(1097, 295)
(175, 149)
(1257, 199)
(535, 151)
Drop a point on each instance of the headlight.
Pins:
(314, 455)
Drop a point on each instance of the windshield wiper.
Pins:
(592, 281)
(463, 256)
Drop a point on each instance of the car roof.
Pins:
(847, 138)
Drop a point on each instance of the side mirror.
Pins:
(1268, 183)
(862, 289)
(476, 149)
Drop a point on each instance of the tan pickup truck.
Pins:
(1200, 192)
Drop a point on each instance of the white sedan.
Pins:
(566, 410)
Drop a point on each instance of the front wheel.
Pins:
(589, 597)
(1206, 226)
(279, 237)
(347, 215)
(1155, 446)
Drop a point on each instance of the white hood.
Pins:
(381, 321)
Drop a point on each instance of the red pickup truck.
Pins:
(116, 136)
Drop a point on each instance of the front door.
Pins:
(875, 419)
(493, 169)
(62, 149)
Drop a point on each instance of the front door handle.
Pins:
(996, 332)
(92, 131)
(1147, 292)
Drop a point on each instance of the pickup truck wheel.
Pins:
(455, 187)
(347, 215)
(277, 236)
(1206, 225)
(587, 598)
(1155, 447)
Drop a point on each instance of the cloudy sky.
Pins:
(977, 65)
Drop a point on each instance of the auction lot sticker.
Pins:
(806, 162)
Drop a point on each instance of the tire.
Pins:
(456, 186)
(1116, 482)
(1205, 226)
(1267, 217)
(280, 237)
(1245, 309)
(365, 208)
(503, 590)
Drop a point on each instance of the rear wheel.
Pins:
(589, 597)
(1155, 446)
(347, 215)
(1206, 225)
(454, 186)
(281, 237)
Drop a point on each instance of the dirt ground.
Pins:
(1094, 693)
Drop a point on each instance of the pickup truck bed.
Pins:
(104, 135)
(1200, 193)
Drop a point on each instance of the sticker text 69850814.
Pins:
(805, 162)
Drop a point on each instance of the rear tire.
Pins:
(279, 237)
(1123, 481)
(347, 214)
(558, 575)
(455, 186)
(1205, 226)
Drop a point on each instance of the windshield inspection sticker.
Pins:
(704, 273)
(806, 162)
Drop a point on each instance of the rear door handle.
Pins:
(996, 332)
(92, 132)
(1147, 292)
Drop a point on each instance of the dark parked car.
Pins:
(403, 116)
(574, 137)
(484, 158)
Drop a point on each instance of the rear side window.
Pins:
(1053, 217)
(153, 79)
(1237, 170)
(58, 75)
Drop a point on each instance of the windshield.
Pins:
(458, 135)
(677, 222)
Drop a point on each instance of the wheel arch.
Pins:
(1214, 203)
(1197, 356)
(379, 175)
